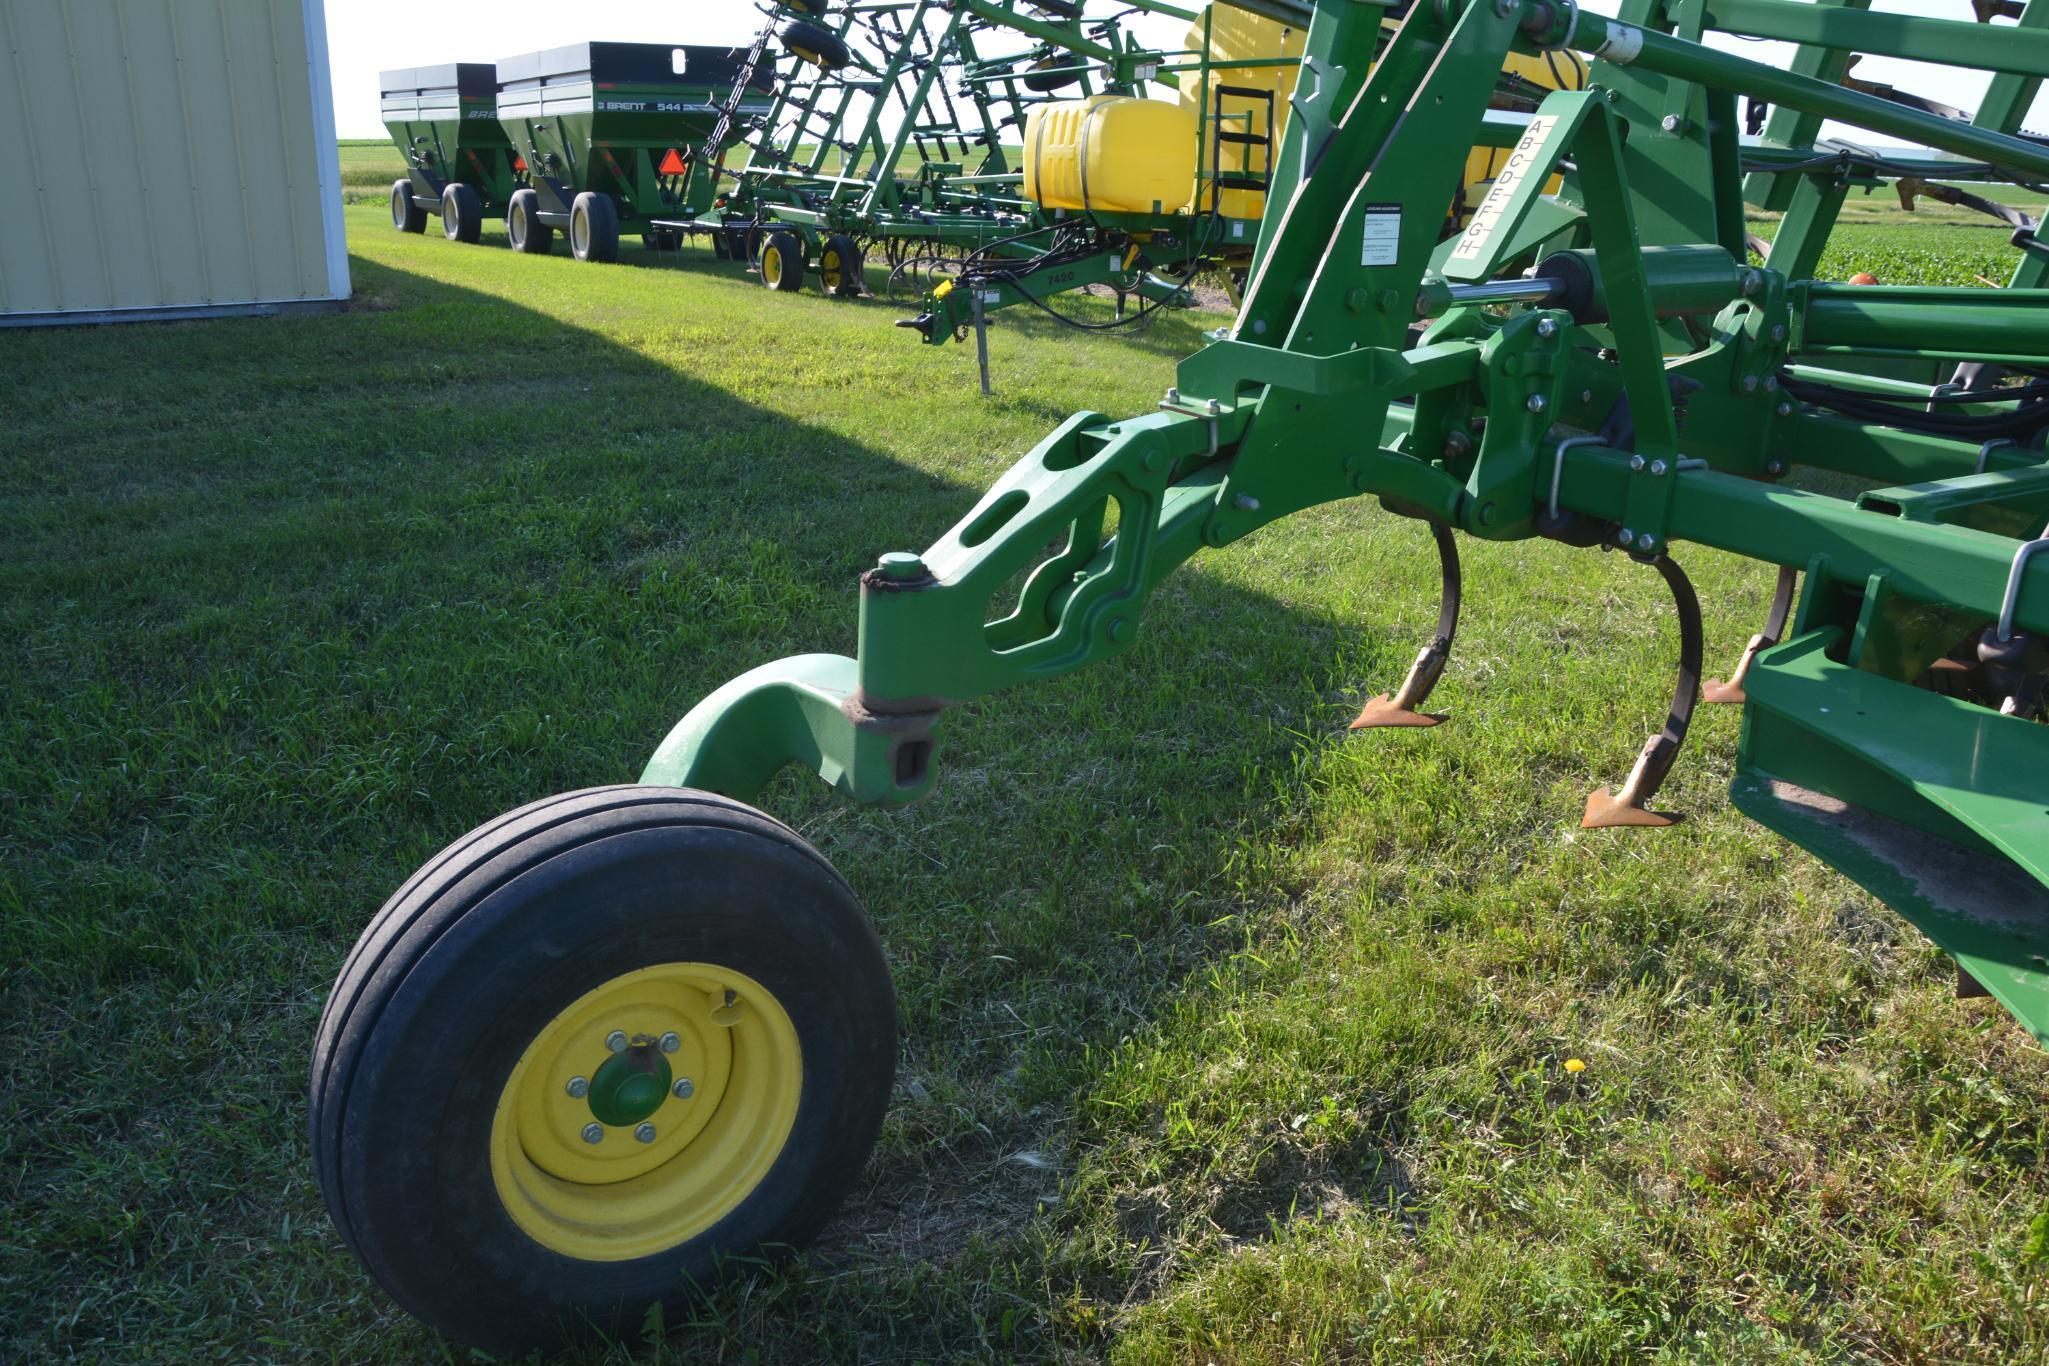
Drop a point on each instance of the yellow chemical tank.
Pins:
(1111, 154)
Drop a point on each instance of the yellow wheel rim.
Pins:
(694, 1158)
(829, 269)
(771, 266)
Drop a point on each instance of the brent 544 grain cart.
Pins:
(608, 135)
(459, 163)
(614, 1040)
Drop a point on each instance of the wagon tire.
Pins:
(406, 216)
(839, 267)
(782, 262)
(594, 228)
(462, 213)
(819, 46)
(594, 1055)
(1044, 77)
(524, 230)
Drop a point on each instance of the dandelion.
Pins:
(1575, 1064)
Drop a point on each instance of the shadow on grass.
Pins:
(300, 600)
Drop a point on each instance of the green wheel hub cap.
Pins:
(630, 1086)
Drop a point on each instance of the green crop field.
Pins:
(1227, 1036)
(368, 166)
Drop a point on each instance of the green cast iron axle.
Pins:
(1534, 376)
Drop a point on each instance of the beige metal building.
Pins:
(179, 158)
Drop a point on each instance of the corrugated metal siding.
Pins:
(181, 153)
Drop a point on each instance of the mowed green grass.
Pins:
(1226, 1035)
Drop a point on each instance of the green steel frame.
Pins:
(1889, 726)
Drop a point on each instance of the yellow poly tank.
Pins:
(1236, 35)
(1110, 154)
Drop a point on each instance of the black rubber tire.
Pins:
(495, 936)
(462, 213)
(1037, 78)
(524, 230)
(594, 228)
(819, 46)
(840, 255)
(782, 262)
(406, 216)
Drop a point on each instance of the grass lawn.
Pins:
(1227, 1036)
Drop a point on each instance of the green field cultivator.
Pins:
(607, 1041)
(877, 140)
(458, 162)
(1137, 193)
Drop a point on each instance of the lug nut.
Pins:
(1627, 537)
(1635, 463)
(1547, 327)
(578, 1088)
(670, 1043)
(1538, 403)
(684, 1090)
(615, 1042)
(645, 1132)
(593, 1132)
(1657, 468)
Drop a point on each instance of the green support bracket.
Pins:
(1931, 804)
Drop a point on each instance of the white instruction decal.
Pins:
(1521, 162)
(1382, 243)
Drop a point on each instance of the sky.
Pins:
(367, 36)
